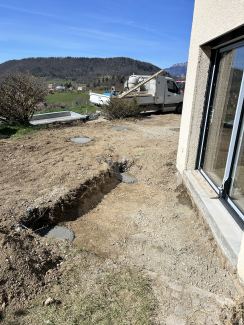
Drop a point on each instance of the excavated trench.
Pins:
(78, 201)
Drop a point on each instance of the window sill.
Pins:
(226, 231)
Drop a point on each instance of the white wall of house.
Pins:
(212, 18)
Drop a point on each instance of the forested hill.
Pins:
(80, 69)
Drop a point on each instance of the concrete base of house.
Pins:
(226, 231)
(54, 117)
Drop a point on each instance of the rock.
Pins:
(18, 228)
(49, 301)
(127, 178)
(59, 232)
(94, 116)
(29, 210)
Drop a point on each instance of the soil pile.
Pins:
(27, 265)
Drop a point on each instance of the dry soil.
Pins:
(141, 254)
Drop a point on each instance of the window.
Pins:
(222, 144)
(172, 87)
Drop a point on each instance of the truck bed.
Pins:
(99, 99)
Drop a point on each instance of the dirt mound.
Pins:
(26, 266)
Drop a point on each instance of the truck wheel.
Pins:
(178, 109)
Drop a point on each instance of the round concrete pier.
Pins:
(81, 140)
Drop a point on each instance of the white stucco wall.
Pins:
(212, 18)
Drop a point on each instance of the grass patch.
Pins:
(15, 131)
(116, 297)
(63, 101)
(68, 100)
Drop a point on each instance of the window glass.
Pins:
(237, 184)
(237, 176)
(172, 87)
(222, 114)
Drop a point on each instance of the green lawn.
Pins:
(15, 131)
(60, 101)
(69, 100)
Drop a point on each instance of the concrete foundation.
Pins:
(54, 117)
(81, 140)
(225, 229)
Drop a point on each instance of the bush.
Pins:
(121, 108)
(19, 96)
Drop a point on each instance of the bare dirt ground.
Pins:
(141, 254)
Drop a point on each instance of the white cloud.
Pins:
(28, 11)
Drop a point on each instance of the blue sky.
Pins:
(156, 31)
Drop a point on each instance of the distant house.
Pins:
(82, 87)
(50, 88)
(211, 144)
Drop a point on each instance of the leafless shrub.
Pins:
(19, 96)
(121, 108)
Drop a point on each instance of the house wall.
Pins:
(212, 18)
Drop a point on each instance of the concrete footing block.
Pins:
(226, 231)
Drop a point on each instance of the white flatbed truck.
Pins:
(151, 92)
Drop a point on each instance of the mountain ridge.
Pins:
(86, 70)
(80, 69)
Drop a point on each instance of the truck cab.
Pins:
(173, 97)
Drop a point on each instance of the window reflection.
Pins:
(223, 111)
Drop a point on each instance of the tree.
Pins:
(19, 96)
(68, 85)
(122, 79)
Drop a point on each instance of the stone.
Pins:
(59, 232)
(49, 301)
(127, 178)
(94, 116)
